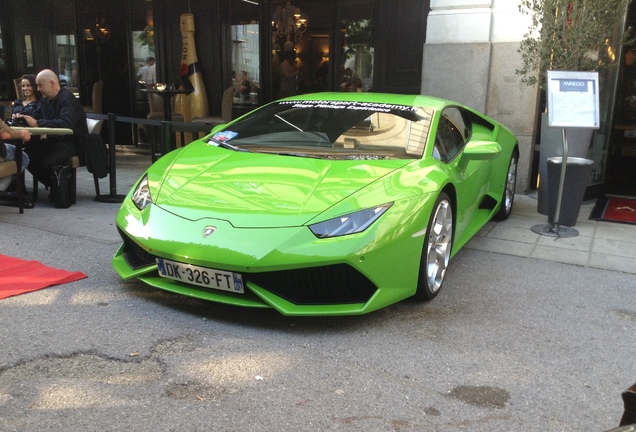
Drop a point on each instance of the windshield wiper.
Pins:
(303, 155)
(225, 145)
(291, 124)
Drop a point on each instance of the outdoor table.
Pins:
(45, 130)
(167, 94)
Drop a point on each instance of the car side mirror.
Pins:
(479, 150)
(482, 150)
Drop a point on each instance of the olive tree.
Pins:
(569, 35)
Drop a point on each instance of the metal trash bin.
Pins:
(577, 176)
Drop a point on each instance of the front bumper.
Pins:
(287, 269)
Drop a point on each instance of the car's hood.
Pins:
(262, 190)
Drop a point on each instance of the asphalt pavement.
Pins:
(529, 333)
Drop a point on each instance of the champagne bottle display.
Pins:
(194, 104)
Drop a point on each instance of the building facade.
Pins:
(89, 40)
(476, 43)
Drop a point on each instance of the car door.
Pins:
(470, 179)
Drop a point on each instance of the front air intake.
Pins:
(335, 284)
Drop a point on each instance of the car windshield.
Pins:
(331, 130)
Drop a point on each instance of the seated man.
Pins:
(244, 86)
(59, 108)
(7, 151)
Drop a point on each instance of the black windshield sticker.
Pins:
(367, 106)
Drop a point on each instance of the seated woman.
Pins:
(30, 100)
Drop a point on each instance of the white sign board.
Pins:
(573, 99)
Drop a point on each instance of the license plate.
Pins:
(201, 276)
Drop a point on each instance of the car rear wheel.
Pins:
(509, 191)
(437, 249)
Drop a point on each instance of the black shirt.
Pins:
(21, 108)
(63, 111)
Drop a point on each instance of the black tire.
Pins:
(508, 198)
(437, 249)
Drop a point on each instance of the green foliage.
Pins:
(569, 35)
(147, 37)
(358, 32)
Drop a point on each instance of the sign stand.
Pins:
(554, 229)
(573, 101)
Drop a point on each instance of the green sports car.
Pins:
(320, 204)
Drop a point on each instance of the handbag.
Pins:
(62, 186)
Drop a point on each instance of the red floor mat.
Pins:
(19, 276)
(615, 209)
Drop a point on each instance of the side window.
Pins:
(453, 131)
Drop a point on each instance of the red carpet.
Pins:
(615, 210)
(19, 276)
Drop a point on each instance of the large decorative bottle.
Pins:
(194, 104)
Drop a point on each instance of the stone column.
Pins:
(475, 42)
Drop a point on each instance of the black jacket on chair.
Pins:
(95, 155)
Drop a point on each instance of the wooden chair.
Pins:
(7, 108)
(155, 103)
(96, 99)
(226, 110)
(17, 82)
(12, 167)
(94, 127)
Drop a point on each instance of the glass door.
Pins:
(618, 176)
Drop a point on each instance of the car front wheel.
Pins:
(437, 249)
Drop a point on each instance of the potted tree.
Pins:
(568, 35)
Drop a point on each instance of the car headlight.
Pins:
(141, 196)
(349, 224)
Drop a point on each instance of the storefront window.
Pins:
(143, 35)
(65, 44)
(245, 62)
(66, 47)
(245, 52)
(358, 51)
(304, 34)
(67, 64)
(142, 39)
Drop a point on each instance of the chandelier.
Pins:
(97, 32)
(288, 25)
